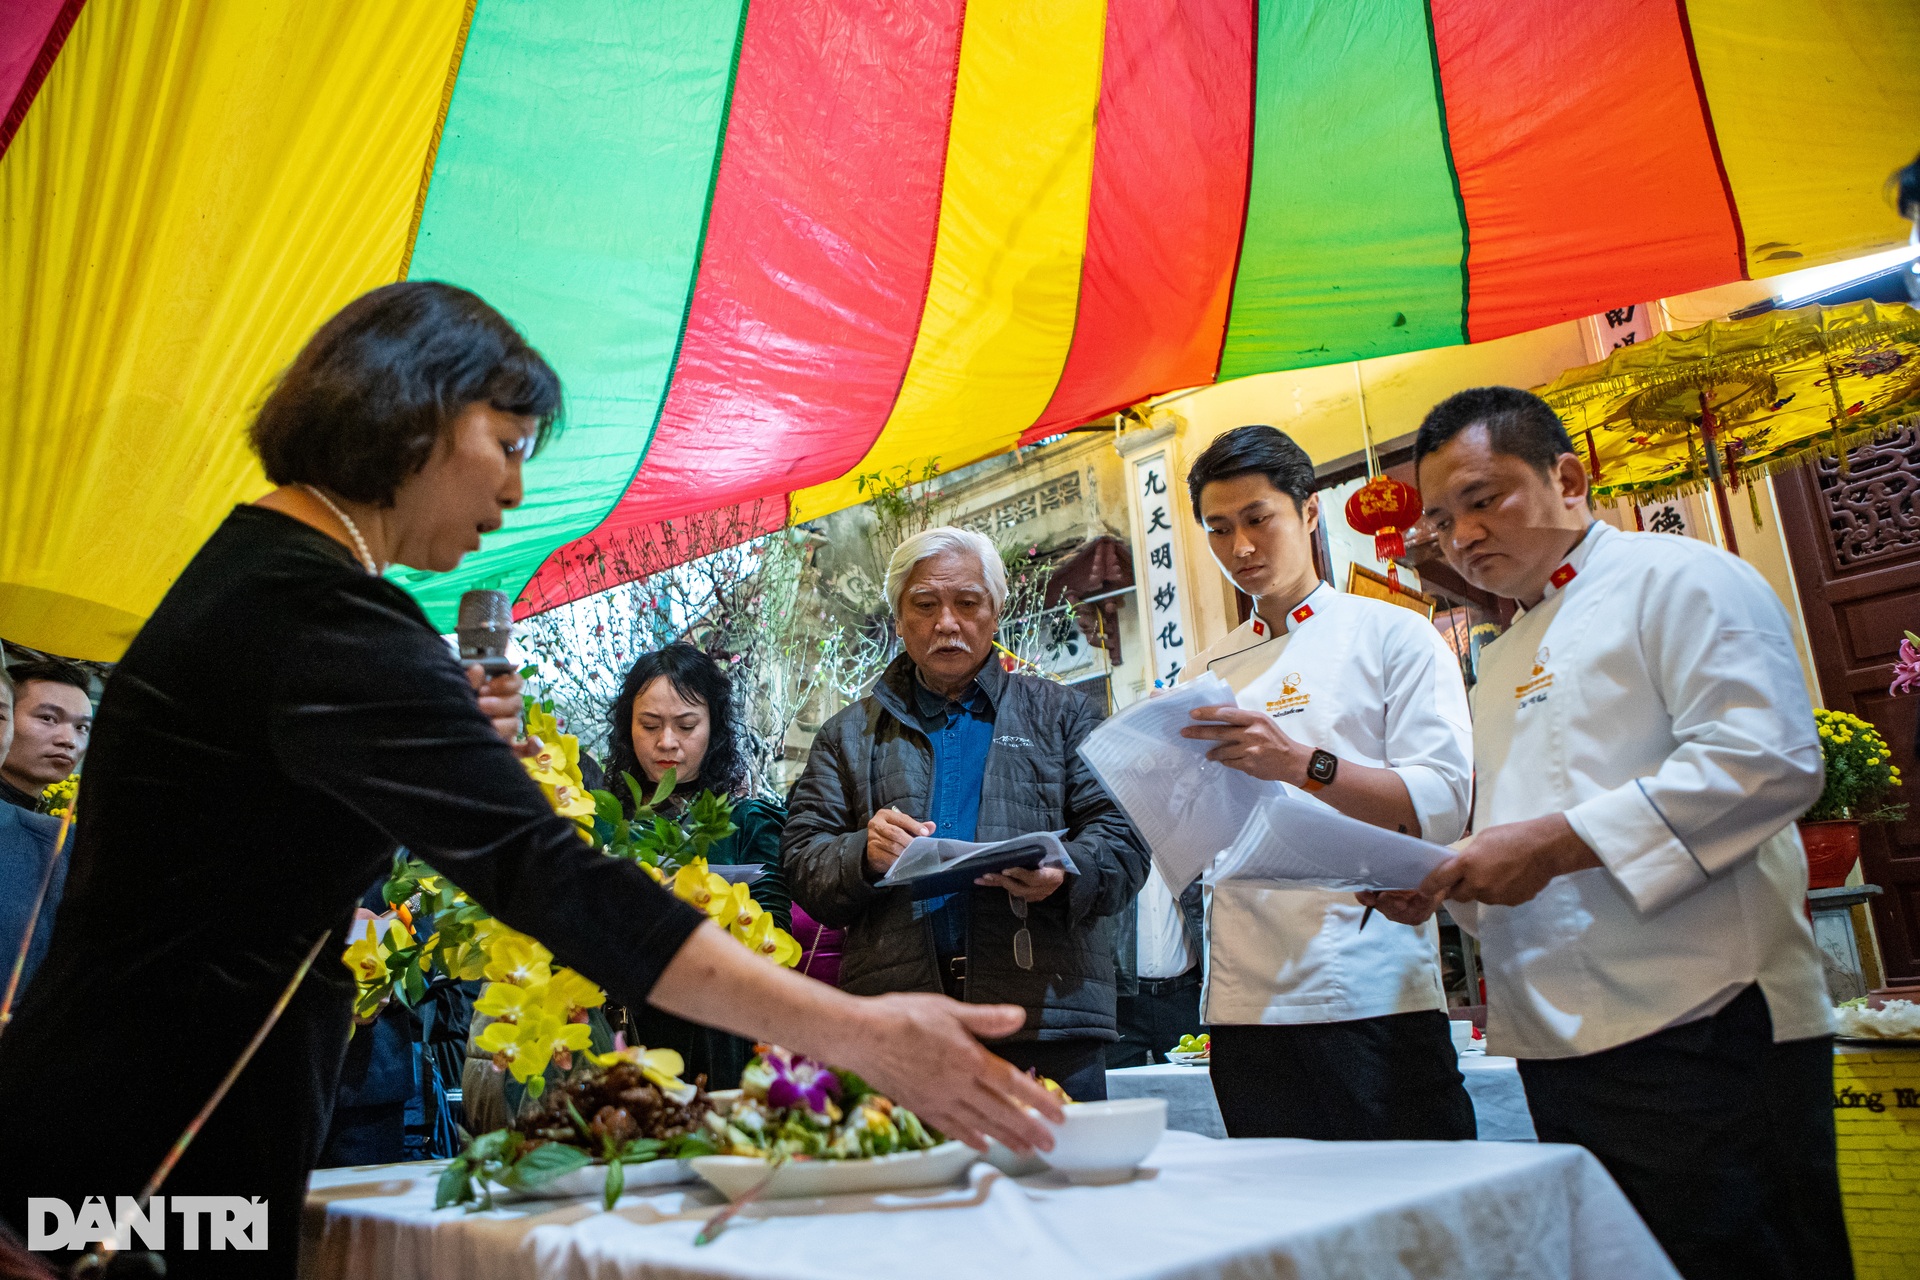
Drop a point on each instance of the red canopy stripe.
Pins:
(1586, 162)
(1171, 149)
(813, 277)
(31, 34)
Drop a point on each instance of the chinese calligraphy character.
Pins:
(1155, 485)
(1173, 670)
(1621, 315)
(1163, 597)
(1667, 520)
(1169, 637)
(1162, 556)
(1158, 521)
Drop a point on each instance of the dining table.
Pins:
(1196, 1209)
(1493, 1084)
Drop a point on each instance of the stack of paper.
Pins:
(1185, 806)
(1197, 814)
(931, 866)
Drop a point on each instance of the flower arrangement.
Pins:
(792, 1107)
(628, 1107)
(541, 1012)
(57, 798)
(1860, 772)
(1906, 667)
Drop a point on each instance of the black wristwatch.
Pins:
(1322, 766)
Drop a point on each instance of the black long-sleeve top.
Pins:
(280, 725)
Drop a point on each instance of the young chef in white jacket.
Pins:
(1643, 742)
(1321, 1030)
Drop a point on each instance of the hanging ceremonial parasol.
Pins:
(1730, 400)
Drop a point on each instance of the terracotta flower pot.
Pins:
(1832, 849)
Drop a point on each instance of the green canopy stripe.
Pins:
(1354, 240)
(571, 191)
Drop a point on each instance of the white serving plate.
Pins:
(591, 1180)
(1190, 1059)
(735, 1176)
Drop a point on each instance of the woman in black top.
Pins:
(675, 711)
(283, 721)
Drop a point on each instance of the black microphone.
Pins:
(484, 627)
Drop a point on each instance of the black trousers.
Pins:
(1371, 1078)
(1722, 1140)
(1153, 1021)
(1078, 1066)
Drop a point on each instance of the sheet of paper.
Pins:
(1185, 806)
(747, 873)
(927, 855)
(1299, 843)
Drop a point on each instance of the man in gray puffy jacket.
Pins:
(948, 743)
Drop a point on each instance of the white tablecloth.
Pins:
(1499, 1101)
(1200, 1209)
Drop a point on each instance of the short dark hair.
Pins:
(697, 678)
(51, 671)
(1254, 450)
(1518, 422)
(362, 406)
(1906, 190)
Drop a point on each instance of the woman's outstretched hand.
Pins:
(924, 1052)
(921, 1050)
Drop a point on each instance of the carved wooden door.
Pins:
(1854, 537)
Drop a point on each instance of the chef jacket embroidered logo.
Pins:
(1539, 680)
(1291, 701)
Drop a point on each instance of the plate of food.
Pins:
(1192, 1051)
(798, 1128)
(627, 1120)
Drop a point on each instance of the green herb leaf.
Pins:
(455, 1185)
(543, 1164)
(616, 1183)
(665, 789)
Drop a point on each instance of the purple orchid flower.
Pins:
(799, 1082)
(1906, 669)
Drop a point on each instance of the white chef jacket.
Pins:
(1654, 698)
(1375, 684)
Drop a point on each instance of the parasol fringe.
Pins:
(1692, 482)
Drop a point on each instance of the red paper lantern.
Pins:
(1385, 508)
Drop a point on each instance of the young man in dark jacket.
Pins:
(948, 743)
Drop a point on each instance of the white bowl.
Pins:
(1103, 1142)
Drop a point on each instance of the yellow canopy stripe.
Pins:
(1005, 287)
(147, 204)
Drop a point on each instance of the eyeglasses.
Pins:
(1022, 941)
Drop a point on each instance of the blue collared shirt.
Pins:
(961, 733)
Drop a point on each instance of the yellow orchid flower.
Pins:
(773, 942)
(737, 910)
(505, 1001)
(697, 886)
(517, 958)
(367, 960)
(568, 991)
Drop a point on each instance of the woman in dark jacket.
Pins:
(675, 711)
(288, 716)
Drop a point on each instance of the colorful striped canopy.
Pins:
(774, 245)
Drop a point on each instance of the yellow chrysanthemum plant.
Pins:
(541, 1013)
(1860, 772)
(57, 797)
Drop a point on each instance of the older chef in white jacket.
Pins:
(1643, 742)
(1323, 1029)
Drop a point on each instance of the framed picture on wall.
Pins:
(1365, 582)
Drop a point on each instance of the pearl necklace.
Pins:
(359, 543)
